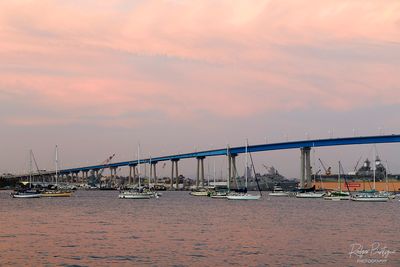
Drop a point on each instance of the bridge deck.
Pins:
(252, 148)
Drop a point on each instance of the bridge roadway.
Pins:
(395, 138)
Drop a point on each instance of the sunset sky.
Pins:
(98, 77)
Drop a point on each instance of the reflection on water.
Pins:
(95, 228)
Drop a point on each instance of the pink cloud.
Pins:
(181, 58)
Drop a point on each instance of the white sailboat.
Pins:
(56, 192)
(244, 196)
(339, 194)
(27, 193)
(139, 193)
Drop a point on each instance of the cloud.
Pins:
(97, 62)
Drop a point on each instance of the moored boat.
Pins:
(26, 194)
(337, 195)
(310, 194)
(200, 192)
(134, 195)
(369, 197)
(242, 196)
(278, 192)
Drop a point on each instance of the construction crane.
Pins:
(107, 161)
(327, 171)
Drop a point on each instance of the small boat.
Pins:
(244, 196)
(369, 197)
(200, 192)
(337, 195)
(135, 195)
(26, 194)
(310, 194)
(278, 192)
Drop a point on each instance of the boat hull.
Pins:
(310, 195)
(243, 197)
(337, 198)
(278, 194)
(219, 196)
(26, 195)
(199, 194)
(370, 199)
(134, 196)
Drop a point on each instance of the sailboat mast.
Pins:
(30, 168)
(339, 180)
(56, 165)
(214, 173)
(247, 163)
(228, 167)
(374, 168)
(139, 167)
(150, 172)
(386, 177)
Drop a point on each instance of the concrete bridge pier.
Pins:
(305, 167)
(85, 177)
(177, 174)
(172, 175)
(96, 174)
(132, 174)
(113, 175)
(233, 168)
(229, 171)
(153, 172)
(200, 171)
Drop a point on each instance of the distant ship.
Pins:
(266, 181)
(361, 179)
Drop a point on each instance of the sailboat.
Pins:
(27, 193)
(339, 194)
(140, 192)
(56, 192)
(245, 195)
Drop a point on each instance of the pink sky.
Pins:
(128, 63)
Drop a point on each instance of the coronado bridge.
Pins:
(305, 147)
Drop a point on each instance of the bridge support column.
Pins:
(234, 169)
(130, 175)
(153, 171)
(96, 175)
(109, 181)
(229, 177)
(86, 177)
(172, 174)
(200, 171)
(305, 167)
(134, 178)
(176, 174)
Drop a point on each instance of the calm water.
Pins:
(95, 228)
